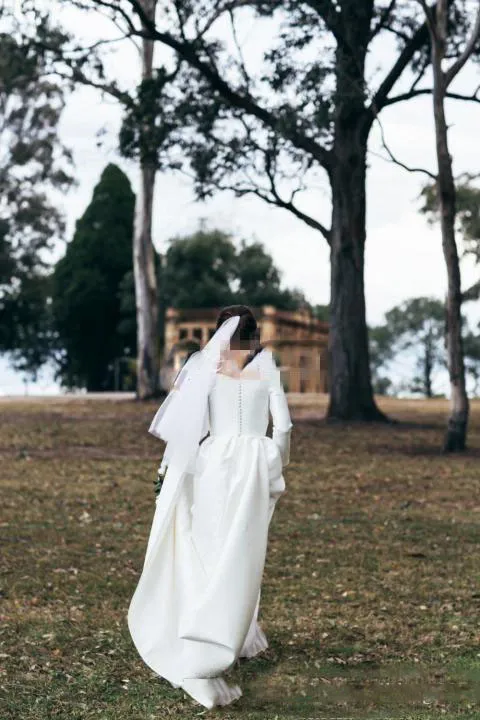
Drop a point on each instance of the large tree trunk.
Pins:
(146, 290)
(144, 259)
(350, 386)
(455, 437)
(428, 367)
(351, 391)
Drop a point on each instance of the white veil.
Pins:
(180, 420)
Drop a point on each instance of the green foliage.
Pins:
(322, 312)
(149, 122)
(89, 286)
(381, 352)
(468, 212)
(269, 129)
(27, 328)
(33, 162)
(206, 270)
(471, 350)
(199, 270)
(417, 325)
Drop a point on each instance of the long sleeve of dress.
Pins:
(282, 424)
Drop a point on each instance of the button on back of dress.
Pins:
(238, 406)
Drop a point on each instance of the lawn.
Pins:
(371, 591)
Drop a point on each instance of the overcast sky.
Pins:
(404, 255)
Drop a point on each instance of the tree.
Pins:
(199, 270)
(467, 218)
(437, 20)
(471, 346)
(381, 351)
(33, 165)
(468, 228)
(308, 111)
(26, 325)
(141, 137)
(143, 250)
(258, 280)
(87, 285)
(205, 269)
(418, 324)
(321, 312)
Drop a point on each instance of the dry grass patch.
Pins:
(371, 589)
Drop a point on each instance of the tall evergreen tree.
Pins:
(88, 284)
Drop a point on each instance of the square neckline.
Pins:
(238, 377)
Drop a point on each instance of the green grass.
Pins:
(371, 592)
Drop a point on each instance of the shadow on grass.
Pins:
(333, 688)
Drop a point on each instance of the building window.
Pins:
(183, 333)
(211, 332)
(197, 333)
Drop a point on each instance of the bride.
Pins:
(194, 611)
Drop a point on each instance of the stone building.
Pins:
(298, 341)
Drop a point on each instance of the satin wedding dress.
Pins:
(195, 608)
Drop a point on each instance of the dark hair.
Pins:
(247, 329)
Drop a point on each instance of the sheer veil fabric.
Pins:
(195, 608)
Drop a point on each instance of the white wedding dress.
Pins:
(195, 609)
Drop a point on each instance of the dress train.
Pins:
(210, 692)
(194, 611)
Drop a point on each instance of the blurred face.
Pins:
(240, 344)
(241, 341)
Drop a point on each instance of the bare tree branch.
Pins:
(383, 19)
(272, 194)
(398, 162)
(77, 75)
(326, 10)
(287, 205)
(457, 96)
(246, 102)
(221, 9)
(109, 88)
(418, 40)
(473, 293)
(116, 7)
(398, 33)
(429, 16)
(243, 67)
(406, 96)
(475, 97)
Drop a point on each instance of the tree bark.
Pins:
(455, 436)
(428, 366)
(146, 293)
(146, 290)
(351, 391)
